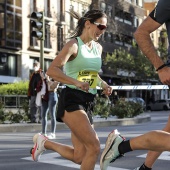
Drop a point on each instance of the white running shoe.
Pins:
(52, 136)
(110, 152)
(137, 168)
(38, 148)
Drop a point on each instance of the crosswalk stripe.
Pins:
(163, 156)
(51, 158)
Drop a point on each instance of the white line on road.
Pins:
(52, 158)
(163, 156)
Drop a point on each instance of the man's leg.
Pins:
(154, 140)
(44, 112)
(38, 114)
(152, 156)
(33, 109)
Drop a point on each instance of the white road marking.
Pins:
(163, 156)
(52, 158)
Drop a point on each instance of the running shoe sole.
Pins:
(111, 137)
(36, 147)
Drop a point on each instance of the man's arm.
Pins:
(142, 36)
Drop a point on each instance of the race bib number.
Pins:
(88, 76)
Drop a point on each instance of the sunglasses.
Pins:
(100, 26)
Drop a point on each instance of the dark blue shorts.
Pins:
(72, 100)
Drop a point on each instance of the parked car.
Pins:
(137, 100)
(159, 105)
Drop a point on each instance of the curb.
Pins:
(98, 122)
(123, 122)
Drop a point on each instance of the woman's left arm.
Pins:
(107, 90)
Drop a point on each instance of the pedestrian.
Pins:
(49, 104)
(35, 85)
(159, 16)
(81, 58)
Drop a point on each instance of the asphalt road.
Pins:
(15, 148)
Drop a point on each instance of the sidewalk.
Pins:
(98, 122)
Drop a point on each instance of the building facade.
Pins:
(123, 19)
(18, 49)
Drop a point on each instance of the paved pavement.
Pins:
(98, 122)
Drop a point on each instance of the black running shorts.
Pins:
(72, 100)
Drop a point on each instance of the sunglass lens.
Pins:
(101, 27)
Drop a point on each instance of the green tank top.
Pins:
(87, 63)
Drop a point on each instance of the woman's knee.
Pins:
(94, 150)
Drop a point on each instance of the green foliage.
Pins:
(135, 63)
(19, 88)
(14, 117)
(21, 115)
(26, 113)
(102, 106)
(162, 48)
(122, 109)
(2, 113)
(126, 109)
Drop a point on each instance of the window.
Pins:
(135, 2)
(127, 18)
(71, 19)
(140, 3)
(109, 10)
(8, 64)
(59, 38)
(47, 63)
(119, 15)
(47, 43)
(11, 27)
(136, 22)
(47, 8)
(118, 40)
(130, 1)
(127, 40)
(33, 6)
(108, 37)
(103, 6)
(2, 25)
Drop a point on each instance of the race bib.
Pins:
(88, 76)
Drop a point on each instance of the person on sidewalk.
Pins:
(49, 105)
(35, 85)
(159, 16)
(81, 58)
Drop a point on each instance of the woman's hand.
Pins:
(83, 86)
(107, 90)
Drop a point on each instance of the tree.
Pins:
(135, 64)
(162, 48)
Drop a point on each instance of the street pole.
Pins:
(38, 22)
(42, 54)
(42, 44)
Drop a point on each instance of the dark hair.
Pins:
(91, 15)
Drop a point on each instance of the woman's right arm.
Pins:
(55, 70)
